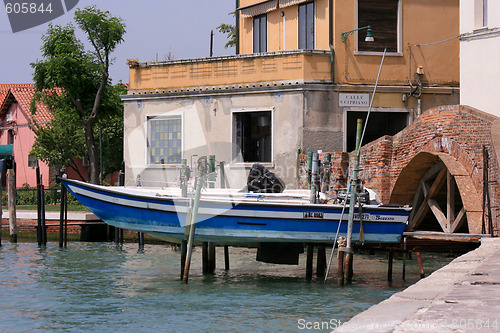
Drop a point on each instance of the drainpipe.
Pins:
(332, 63)
(237, 27)
(330, 40)
(284, 30)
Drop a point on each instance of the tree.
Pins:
(87, 97)
(230, 31)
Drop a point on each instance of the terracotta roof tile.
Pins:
(23, 94)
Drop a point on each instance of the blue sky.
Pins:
(154, 28)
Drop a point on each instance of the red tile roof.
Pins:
(23, 94)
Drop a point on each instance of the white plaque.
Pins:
(354, 100)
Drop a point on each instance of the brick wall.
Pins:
(459, 131)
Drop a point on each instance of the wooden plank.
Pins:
(438, 213)
(434, 235)
(459, 221)
(450, 201)
(433, 171)
(429, 193)
(438, 182)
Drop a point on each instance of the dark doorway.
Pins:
(379, 124)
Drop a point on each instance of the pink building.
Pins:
(17, 138)
(15, 121)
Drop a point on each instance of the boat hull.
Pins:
(234, 221)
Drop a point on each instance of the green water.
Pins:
(101, 287)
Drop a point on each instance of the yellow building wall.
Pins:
(423, 22)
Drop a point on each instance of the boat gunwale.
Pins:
(232, 201)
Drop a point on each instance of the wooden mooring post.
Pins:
(63, 217)
(194, 215)
(420, 264)
(208, 262)
(309, 262)
(204, 257)
(211, 258)
(226, 257)
(321, 261)
(11, 188)
(140, 236)
(183, 256)
(389, 265)
(340, 267)
(405, 254)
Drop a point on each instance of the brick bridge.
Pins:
(437, 166)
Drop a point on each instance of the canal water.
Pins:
(101, 287)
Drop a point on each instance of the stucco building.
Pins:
(16, 136)
(301, 77)
(479, 46)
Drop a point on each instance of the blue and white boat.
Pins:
(234, 218)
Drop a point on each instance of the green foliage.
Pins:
(230, 31)
(86, 96)
(27, 196)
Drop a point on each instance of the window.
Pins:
(252, 135)
(383, 17)
(260, 33)
(306, 26)
(31, 161)
(480, 13)
(165, 140)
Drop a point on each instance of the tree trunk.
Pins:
(92, 152)
(94, 169)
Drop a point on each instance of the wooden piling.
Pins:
(183, 256)
(117, 235)
(222, 174)
(420, 264)
(389, 266)
(39, 206)
(44, 226)
(204, 257)
(184, 177)
(194, 216)
(348, 270)
(140, 235)
(11, 188)
(66, 220)
(353, 191)
(61, 216)
(314, 178)
(404, 259)
(309, 168)
(211, 171)
(321, 261)
(211, 258)
(226, 257)
(340, 267)
(309, 262)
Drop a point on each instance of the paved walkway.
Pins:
(463, 296)
(32, 215)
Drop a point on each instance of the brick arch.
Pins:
(458, 131)
(447, 171)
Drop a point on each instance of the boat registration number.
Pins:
(313, 215)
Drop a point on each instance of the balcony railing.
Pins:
(301, 66)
